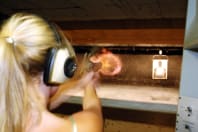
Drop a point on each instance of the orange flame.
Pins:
(110, 64)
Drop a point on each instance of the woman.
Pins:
(24, 42)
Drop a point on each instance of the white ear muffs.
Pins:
(60, 64)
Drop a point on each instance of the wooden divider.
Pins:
(154, 36)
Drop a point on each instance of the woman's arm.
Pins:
(91, 102)
(90, 118)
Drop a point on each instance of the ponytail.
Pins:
(13, 95)
(24, 41)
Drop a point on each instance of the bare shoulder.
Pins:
(85, 121)
(52, 123)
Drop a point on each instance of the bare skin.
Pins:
(87, 120)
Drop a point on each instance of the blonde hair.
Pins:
(21, 58)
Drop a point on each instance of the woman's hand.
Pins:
(61, 94)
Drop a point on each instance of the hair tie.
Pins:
(10, 40)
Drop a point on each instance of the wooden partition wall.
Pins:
(168, 37)
(168, 32)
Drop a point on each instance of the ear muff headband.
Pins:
(56, 33)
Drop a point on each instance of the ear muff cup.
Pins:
(59, 66)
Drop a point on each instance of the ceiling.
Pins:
(89, 10)
(146, 21)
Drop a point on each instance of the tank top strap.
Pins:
(74, 125)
